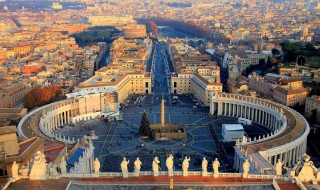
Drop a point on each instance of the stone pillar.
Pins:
(294, 153)
(56, 121)
(220, 108)
(65, 117)
(225, 109)
(290, 158)
(230, 110)
(59, 120)
(285, 158)
(69, 116)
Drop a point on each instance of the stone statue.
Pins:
(155, 166)
(246, 167)
(124, 167)
(204, 164)
(169, 164)
(39, 169)
(279, 165)
(53, 170)
(15, 170)
(244, 139)
(216, 165)
(24, 171)
(63, 165)
(137, 165)
(185, 166)
(96, 166)
(84, 140)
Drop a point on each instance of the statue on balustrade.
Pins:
(15, 170)
(137, 165)
(204, 165)
(185, 166)
(216, 165)
(39, 169)
(169, 164)
(84, 140)
(246, 167)
(63, 166)
(279, 165)
(155, 166)
(53, 169)
(96, 166)
(124, 167)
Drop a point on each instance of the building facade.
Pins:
(312, 108)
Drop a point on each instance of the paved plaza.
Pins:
(118, 139)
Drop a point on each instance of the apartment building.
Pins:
(12, 96)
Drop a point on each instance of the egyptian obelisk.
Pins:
(162, 112)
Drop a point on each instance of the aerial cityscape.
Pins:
(159, 94)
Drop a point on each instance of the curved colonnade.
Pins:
(56, 115)
(286, 142)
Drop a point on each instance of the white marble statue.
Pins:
(279, 165)
(53, 170)
(24, 171)
(137, 165)
(244, 139)
(15, 170)
(204, 166)
(39, 168)
(216, 165)
(185, 166)
(85, 139)
(169, 164)
(124, 167)
(63, 166)
(96, 166)
(155, 166)
(246, 168)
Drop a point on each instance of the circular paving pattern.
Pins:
(162, 146)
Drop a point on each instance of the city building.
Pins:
(194, 73)
(134, 31)
(126, 72)
(312, 108)
(291, 92)
(12, 96)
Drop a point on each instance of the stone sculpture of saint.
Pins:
(96, 166)
(204, 164)
(169, 162)
(137, 165)
(155, 165)
(279, 165)
(246, 167)
(124, 165)
(15, 170)
(85, 139)
(216, 165)
(63, 166)
(185, 164)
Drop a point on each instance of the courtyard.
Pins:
(118, 139)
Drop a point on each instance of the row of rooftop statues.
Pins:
(38, 169)
(169, 165)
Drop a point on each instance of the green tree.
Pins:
(275, 52)
(145, 129)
